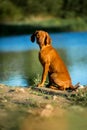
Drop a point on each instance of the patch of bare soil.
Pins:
(36, 98)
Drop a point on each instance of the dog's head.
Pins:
(42, 38)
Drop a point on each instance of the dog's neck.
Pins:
(43, 47)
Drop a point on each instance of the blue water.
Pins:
(72, 44)
(16, 43)
(60, 40)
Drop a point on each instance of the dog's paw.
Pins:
(40, 85)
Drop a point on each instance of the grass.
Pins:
(79, 98)
(37, 80)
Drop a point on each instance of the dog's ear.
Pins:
(33, 37)
(47, 39)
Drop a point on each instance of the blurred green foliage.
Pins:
(20, 9)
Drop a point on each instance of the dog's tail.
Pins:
(73, 88)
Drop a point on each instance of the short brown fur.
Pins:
(53, 66)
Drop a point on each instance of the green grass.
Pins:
(79, 98)
(37, 80)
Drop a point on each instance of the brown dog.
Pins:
(53, 66)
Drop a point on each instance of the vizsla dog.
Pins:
(53, 66)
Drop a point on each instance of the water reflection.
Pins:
(19, 58)
(18, 68)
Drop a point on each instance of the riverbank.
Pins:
(33, 97)
(23, 108)
(27, 106)
(24, 96)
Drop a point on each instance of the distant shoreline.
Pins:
(8, 29)
(21, 29)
